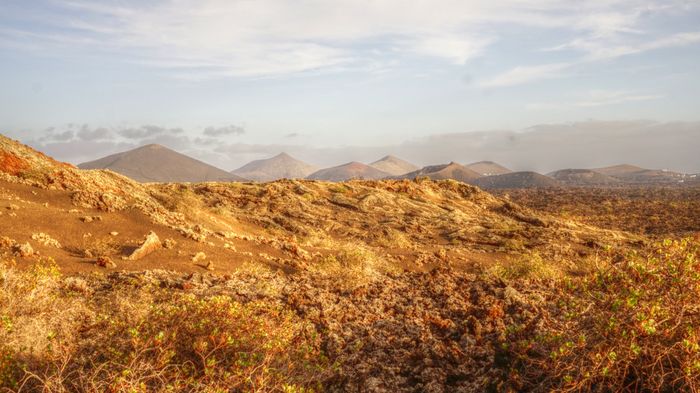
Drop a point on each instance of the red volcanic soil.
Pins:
(11, 164)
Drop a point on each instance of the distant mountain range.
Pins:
(351, 170)
(394, 166)
(156, 163)
(452, 170)
(281, 166)
(488, 168)
(583, 177)
(524, 179)
(634, 174)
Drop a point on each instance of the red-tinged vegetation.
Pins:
(11, 164)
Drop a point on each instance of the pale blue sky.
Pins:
(334, 73)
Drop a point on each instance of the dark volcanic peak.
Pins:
(281, 166)
(488, 168)
(156, 163)
(452, 171)
(351, 170)
(393, 165)
(582, 177)
(524, 179)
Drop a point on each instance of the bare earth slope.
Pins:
(516, 180)
(156, 163)
(619, 170)
(351, 170)
(451, 171)
(636, 175)
(488, 168)
(583, 177)
(281, 166)
(393, 166)
(286, 223)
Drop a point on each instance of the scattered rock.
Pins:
(23, 250)
(150, 244)
(169, 244)
(91, 218)
(13, 207)
(114, 233)
(198, 257)
(6, 242)
(210, 265)
(46, 240)
(441, 254)
(77, 284)
(106, 262)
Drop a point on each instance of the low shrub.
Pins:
(143, 338)
(632, 325)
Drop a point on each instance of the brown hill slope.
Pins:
(156, 163)
(290, 224)
(619, 170)
(582, 177)
(451, 171)
(351, 170)
(516, 180)
(488, 168)
(636, 175)
(281, 166)
(394, 166)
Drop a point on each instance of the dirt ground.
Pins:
(53, 213)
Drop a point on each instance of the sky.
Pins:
(229, 81)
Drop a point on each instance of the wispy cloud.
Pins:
(607, 97)
(595, 98)
(222, 38)
(603, 49)
(525, 74)
(224, 131)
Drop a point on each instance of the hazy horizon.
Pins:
(541, 148)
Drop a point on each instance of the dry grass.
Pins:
(352, 267)
(528, 266)
(58, 336)
(93, 247)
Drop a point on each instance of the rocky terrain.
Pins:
(653, 211)
(366, 285)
